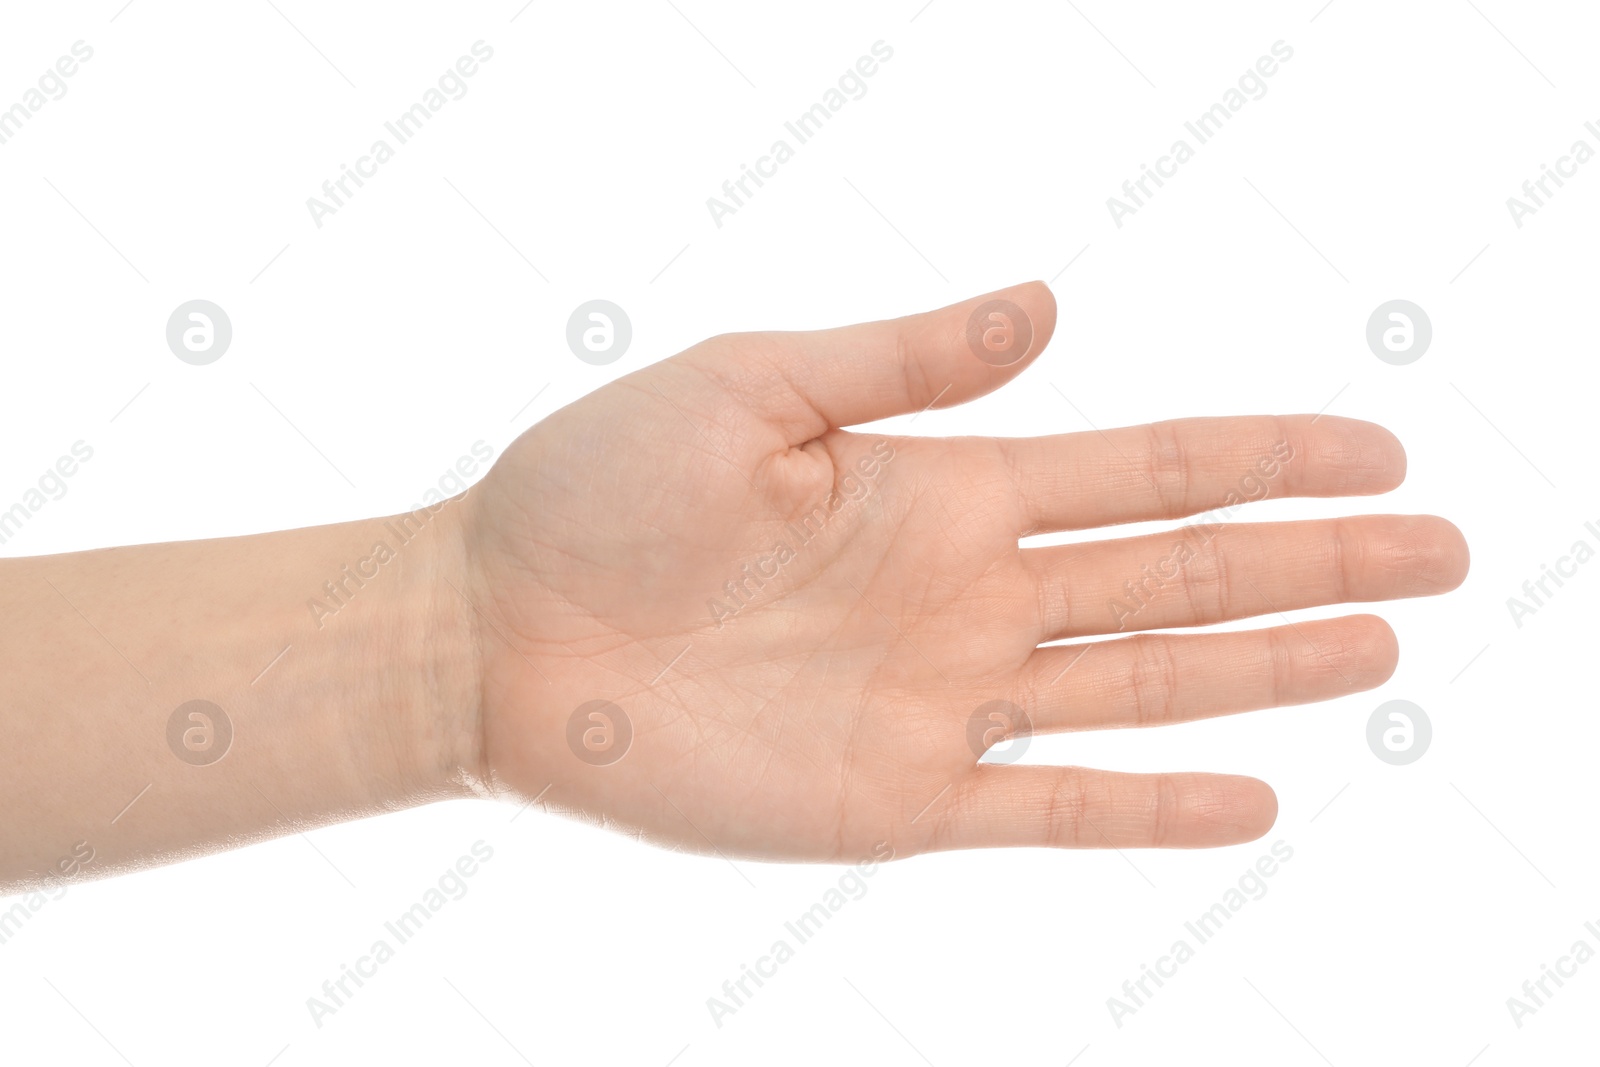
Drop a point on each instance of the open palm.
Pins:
(710, 616)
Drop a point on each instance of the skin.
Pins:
(822, 714)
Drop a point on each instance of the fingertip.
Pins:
(1258, 808)
(1453, 558)
(1228, 809)
(1370, 457)
(1394, 456)
(1410, 556)
(965, 350)
(1371, 650)
(1268, 808)
(1037, 303)
(1385, 647)
(1041, 296)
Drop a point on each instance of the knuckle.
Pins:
(1281, 668)
(920, 389)
(1206, 580)
(1166, 814)
(1066, 811)
(1346, 557)
(1167, 466)
(1153, 679)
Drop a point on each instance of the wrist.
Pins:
(425, 663)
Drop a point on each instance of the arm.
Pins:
(694, 607)
(323, 716)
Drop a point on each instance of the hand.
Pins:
(806, 630)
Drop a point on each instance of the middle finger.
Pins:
(1201, 574)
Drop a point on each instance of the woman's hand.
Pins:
(711, 617)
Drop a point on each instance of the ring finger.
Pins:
(1152, 679)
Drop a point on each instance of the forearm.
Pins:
(363, 704)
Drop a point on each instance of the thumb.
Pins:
(808, 383)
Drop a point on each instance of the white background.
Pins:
(416, 321)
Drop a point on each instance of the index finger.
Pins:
(1167, 470)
